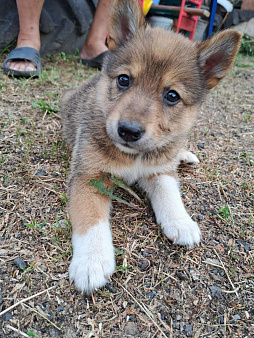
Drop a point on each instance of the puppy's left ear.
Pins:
(126, 18)
(216, 55)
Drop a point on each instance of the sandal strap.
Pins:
(25, 53)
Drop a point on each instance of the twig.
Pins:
(32, 309)
(231, 291)
(17, 330)
(213, 264)
(171, 327)
(25, 300)
(143, 307)
(230, 281)
(49, 189)
(162, 280)
(12, 190)
(223, 191)
(122, 185)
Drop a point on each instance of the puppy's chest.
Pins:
(132, 173)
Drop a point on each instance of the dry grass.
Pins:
(158, 290)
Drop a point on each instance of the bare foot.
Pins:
(25, 41)
(21, 65)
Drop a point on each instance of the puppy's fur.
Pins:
(132, 120)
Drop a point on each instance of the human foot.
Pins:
(25, 40)
(93, 55)
(91, 50)
(21, 55)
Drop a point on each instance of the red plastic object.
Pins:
(186, 21)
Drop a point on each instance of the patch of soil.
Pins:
(159, 289)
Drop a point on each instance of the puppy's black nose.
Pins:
(130, 131)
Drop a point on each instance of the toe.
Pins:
(21, 65)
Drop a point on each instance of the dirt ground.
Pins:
(159, 289)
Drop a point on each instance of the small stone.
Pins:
(111, 288)
(215, 291)
(7, 316)
(201, 146)
(131, 329)
(186, 328)
(151, 295)
(246, 247)
(178, 317)
(200, 218)
(181, 275)
(236, 317)
(20, 263)
(176, 325)
(195, 275)
(41, 173)
(144, 265)
(23, 222)
(60, 308)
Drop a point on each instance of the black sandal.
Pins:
(23, 53)
(95, 62)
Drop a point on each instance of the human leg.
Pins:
(29, 33)
(95, 41)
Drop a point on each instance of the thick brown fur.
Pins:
(156, 61)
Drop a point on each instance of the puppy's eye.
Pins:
(172, 97)
(123, 81)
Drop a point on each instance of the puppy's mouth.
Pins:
(126, 148)
(127, 145)
(130, 137)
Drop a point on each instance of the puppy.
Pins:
(132, 121)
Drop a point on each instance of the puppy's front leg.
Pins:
(170, 212)
(93, 260)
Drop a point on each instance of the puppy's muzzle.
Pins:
(130, 131)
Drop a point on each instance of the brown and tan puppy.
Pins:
(132, 121)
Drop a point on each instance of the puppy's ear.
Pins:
(217, 55)
(126, 18)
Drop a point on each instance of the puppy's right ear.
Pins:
(126, 18)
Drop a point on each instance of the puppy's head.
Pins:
(154, 80)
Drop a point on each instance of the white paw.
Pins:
(93, 259)
(187, 157)
(182, 231)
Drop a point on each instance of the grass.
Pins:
(247, 45)
(45, 107)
